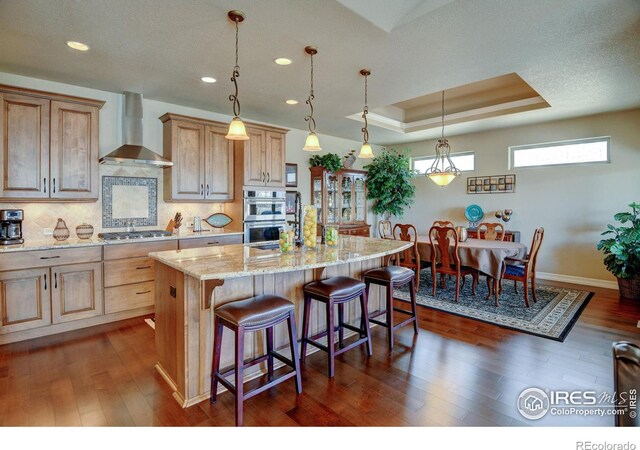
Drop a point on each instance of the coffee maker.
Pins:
(11, 226)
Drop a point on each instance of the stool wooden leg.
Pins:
(365, 313)
(330, 339)
(293, 342)
(390, 315)
(239, 375)
(215, 364)
(270, 353)
(414, 307)
(305, 328)
(367, 287)
(340, 324)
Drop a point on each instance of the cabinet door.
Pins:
(76, 292)
(74, 151)
(187, 154)
(254, 158)
(24, 145)
(218, 164)
(275, 158)
(24, 299)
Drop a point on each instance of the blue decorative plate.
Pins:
(473, 213)
(218, 220)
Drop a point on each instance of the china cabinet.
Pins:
(341, 199)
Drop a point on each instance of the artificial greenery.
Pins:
(389, 182)
(330, 161)
(623, 249)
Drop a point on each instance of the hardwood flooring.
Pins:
(457, 371)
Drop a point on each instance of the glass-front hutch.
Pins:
(341, 199)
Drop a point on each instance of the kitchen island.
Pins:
(190, 284)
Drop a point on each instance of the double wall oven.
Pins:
(264, 215)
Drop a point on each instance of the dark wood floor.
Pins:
(455, 372)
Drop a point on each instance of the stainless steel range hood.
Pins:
(133, 152)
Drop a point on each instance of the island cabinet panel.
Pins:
(76, 292)
(24, 300)
(74, 151)
(24, 138)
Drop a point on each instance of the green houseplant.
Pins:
(331, 161)
(622, 251)
(389, 183)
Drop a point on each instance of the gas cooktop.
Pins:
(124, 235)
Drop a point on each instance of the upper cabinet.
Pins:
(49, 146)
(264, 156)
(202, 160)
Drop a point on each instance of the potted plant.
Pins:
(330, 161)
(622, 251)
(389, 183)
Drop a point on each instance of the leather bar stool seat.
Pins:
(391, 277)
(259, 313)
(335, 291)
(626, 373)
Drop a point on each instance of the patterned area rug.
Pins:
(551, 317)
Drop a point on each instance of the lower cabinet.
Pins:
(356, 230)
(76, 292)
(24, 299)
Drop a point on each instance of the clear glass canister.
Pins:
(287, 241)
(331, 235)
(310, 227)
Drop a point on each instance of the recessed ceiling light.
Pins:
(291, 102)
(282, 61)
(208, 79)
(78, 46)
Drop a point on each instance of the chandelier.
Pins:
(442, 171)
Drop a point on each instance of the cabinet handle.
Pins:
(49, 257)
(143, 292)
(202, 189)
(45, 185)
(55, 277)
(263, 177)
(207, 189)
(268, 177)
(143, 267)
(54, 185)
(45, 281)
(213, 243)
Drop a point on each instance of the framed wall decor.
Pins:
(291, 175)
(494, 184)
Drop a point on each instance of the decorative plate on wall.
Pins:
(218, 220)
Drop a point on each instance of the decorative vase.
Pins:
(462, 234)
(61, 232)
(349, 160)
(310, 227)
(84, 231)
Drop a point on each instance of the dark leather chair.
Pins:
(626, 378)
(263, 312)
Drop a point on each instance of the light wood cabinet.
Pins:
(24, 300)
(275, 159)
(76, 292)
(202, 160)
(48, 146)
(264, 158)
(209, 241)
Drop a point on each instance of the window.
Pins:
(463, 161)
(580, 151)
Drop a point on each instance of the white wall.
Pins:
(572, 203)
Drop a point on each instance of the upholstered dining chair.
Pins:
(384, 229)
(524, 270)
(492, 231)
(411, 257)
(442, 223)
(441, 239)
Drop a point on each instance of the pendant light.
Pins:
(365, 150)
(312, 144)
(237, 130)
(442, 171)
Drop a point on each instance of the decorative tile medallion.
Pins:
(144, 209)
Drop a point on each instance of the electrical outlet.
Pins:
(48, 231)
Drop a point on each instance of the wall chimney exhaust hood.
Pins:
(133, 153)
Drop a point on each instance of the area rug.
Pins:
(551, 317)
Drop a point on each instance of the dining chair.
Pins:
(384, 229)
(492, 232)
(410, 257)
(442, 223)
(441, 240)
(524, 270)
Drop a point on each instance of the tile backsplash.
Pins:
(38, 216)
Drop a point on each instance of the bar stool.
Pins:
(391, 277)
(335, 291)
(263, 312)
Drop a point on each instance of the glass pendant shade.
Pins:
(237, 130)
(365, 151)
(442, 178)
(312, 144)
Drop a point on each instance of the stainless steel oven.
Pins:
(263, 231)
(264, 205)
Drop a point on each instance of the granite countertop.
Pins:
(52, 244)
(240, 260)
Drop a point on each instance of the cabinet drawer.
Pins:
(210, 240)
(127, 271)
(118, 251)
(131, 296)
(49, 258)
